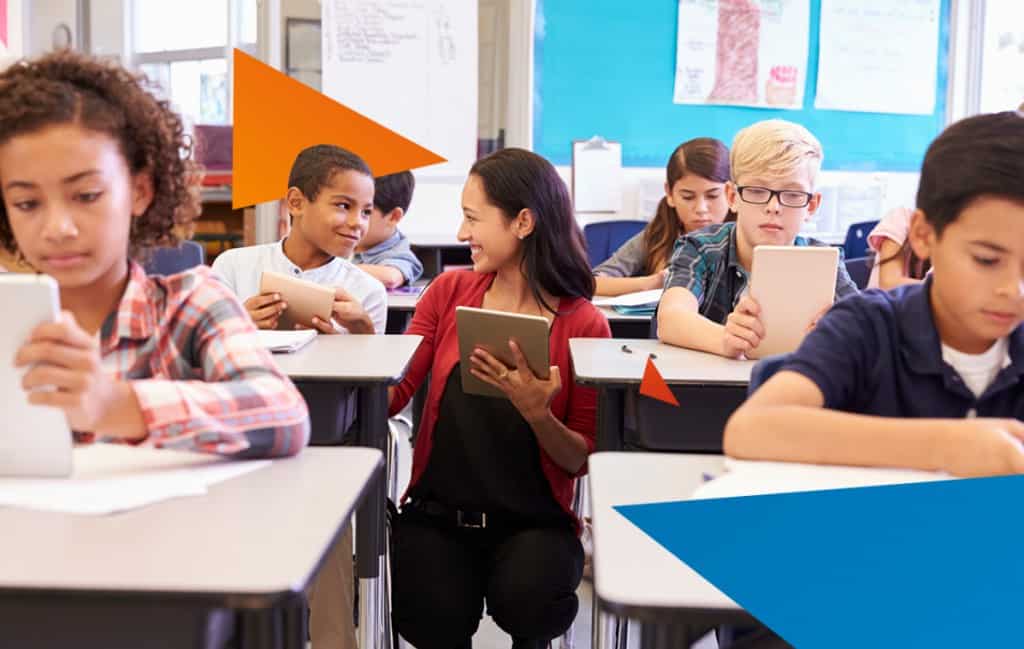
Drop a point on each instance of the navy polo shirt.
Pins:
(879, 353)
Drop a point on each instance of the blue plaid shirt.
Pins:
(706, 263)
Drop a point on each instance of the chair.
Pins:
(605, 237)
(764, 370)
(856, 244)
(859, 270)
(170, 261)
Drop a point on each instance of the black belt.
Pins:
(455, 517)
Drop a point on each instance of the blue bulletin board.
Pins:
(607, 67)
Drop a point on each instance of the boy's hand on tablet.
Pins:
(817, 318)
(349, 313)
(66, 372)
(743, 328)
(530, 395)
(985, 447)
(265, 309)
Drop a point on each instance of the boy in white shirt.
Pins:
(330, 196)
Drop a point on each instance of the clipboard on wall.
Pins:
(597, 175)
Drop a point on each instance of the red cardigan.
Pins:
(434, 319)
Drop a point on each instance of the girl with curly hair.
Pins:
(92, 173)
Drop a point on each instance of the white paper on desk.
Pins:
(283, 341)
(747, 478)
(640, 298)
(110, 478)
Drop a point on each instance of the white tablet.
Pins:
(35, 441)
(492, 331)
(792, 284)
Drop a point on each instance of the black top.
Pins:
(485, 458)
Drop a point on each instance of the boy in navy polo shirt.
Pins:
(926, 376)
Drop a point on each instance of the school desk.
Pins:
(368, 364)
(182, 572)
(634, 576)
(707, 386)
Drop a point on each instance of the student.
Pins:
(694, 198)
(330, 195)
(774, 166)
(488, 514)
(925, 376)
(384, 251)
(91, 175)
(895, 263)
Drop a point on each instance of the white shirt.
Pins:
(979, 370)
(240, 269)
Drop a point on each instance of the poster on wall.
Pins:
(878, 56)
(742, 52)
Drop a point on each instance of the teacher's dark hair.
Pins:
(554, 255)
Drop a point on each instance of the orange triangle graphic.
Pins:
(276, 116)
(654, 386)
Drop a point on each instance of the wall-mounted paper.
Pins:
(597, 175)
(878, 56)
(742, 52)
(410, 65)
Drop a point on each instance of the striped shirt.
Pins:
(707, 264)
(201, 378)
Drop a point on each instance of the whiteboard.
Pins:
(410, 65)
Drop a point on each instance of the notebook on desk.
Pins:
(638, 303)
(285, 342)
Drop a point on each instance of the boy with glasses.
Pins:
(705, 306)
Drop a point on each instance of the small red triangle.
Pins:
(654, 386)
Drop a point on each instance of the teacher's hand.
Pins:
(530, 394)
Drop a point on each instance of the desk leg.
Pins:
(610, 410)
(370, 532)
(669, 636)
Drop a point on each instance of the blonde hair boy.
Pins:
(775, 166)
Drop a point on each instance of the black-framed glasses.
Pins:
(763, 195)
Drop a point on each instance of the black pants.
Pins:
(442, 574)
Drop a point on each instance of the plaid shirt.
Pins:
(201, 377)
(706, 263)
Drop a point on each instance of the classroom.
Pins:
(543, 324)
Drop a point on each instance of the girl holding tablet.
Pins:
(694, 198)
(487, 517)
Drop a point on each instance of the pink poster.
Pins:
(3, 22)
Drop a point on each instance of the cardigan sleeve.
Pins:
(425, 322)
(581, 411)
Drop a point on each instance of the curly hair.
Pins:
(66, 87)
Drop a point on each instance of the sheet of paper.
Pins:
(878, 56)
(285, 341)
(742, 52)
(110, 478)
(746, 478)
(597, 176)
(640, 298)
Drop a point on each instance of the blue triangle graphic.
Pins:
(930, 565)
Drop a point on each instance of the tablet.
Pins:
(304, 299)
(792, 284)
(492, 330)
(35, 441)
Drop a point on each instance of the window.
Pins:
(1002, 63)
(183, 48)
